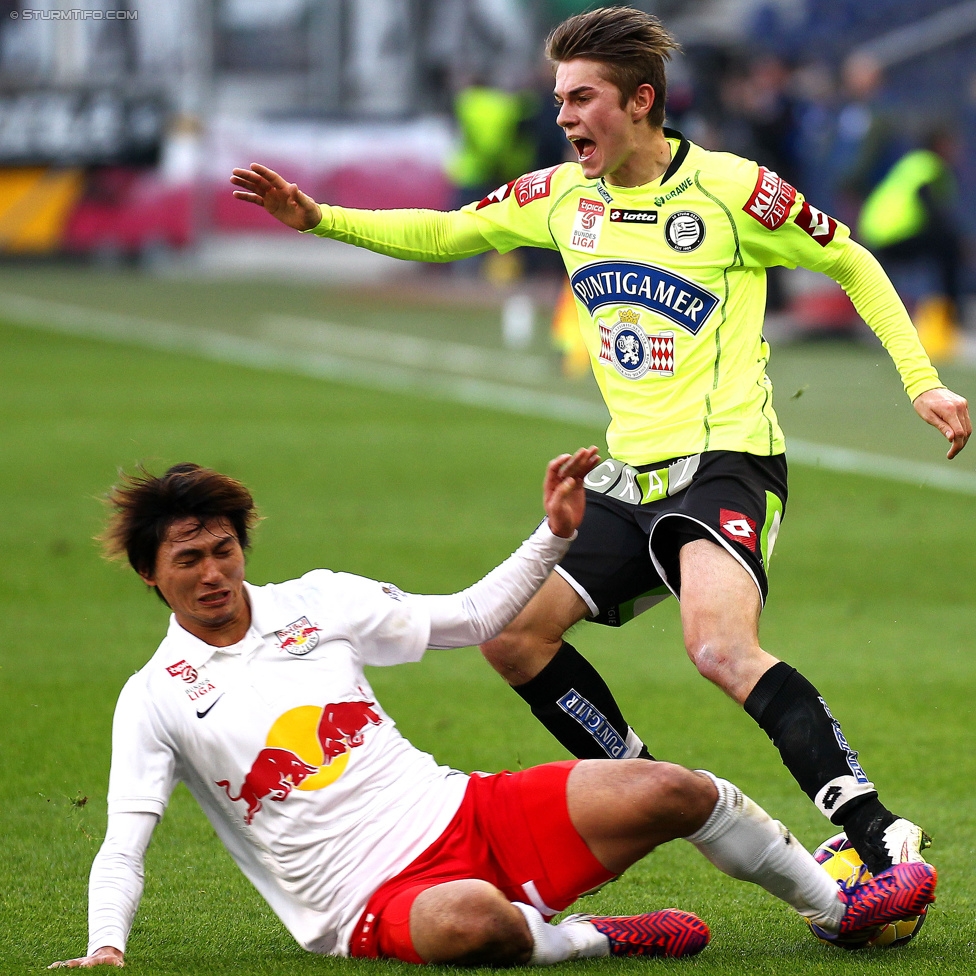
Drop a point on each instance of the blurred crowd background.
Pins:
(120, 121)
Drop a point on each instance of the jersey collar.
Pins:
(678, 159)
(193, 650)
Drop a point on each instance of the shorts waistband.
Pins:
(645, 484)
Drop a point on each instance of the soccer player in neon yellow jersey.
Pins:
(666, 246)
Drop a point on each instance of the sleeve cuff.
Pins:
(923, 386)
(545, 534)
(324, 226)
(110, 938)
(140, 804)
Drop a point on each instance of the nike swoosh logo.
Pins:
(207, 711)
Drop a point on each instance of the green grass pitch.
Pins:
(872, 597)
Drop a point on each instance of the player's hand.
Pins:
(949, 412)
(562, 491)
(106, 956)
(280, 198)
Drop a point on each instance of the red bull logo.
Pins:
(273, 774)
(344, 722)
(307, 749)
(298, 638)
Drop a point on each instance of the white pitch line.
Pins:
(880, 466)
(261, 354)
(227, 347)
(362, 342)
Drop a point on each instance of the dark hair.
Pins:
(144, 507)
(630, 45)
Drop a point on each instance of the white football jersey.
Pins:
(305, 778)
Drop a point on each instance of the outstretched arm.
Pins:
(114, 889)
(481, 611)
(412, 235)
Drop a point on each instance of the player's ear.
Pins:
(643, 102)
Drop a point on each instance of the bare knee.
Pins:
(720, 610)
(679, 800)
(624, 809)
(508, 650)
(733, 664)
(469, 923)
(520, 651)
(715, 657)
(532, 639)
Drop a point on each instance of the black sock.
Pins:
(573, 702)
(865, 820)
(791, 712)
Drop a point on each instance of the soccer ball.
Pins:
(839, 859)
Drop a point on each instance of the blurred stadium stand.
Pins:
(120, 119)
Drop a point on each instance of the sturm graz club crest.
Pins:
(632, 352)
(684, 230)
(624, 345)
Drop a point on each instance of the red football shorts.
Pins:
(512, 830)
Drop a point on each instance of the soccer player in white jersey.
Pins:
(256, 699)
(666, 246)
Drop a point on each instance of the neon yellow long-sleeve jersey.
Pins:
(670, 287)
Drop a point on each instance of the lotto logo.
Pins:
(831, 797)
(633, 216)
(820, 226)
(771, 200)
(739, 528)
(533, 186)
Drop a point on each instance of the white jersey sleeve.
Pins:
(383, 624)
(143, 773)
(483, 610)
(115, 883)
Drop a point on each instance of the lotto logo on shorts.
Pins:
(820, 226)
(739, 528)
(771, 200)
(533, 186)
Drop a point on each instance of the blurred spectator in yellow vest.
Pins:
(912, 217)
(492, 148)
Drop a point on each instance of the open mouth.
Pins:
(215, 599)
(584, 148)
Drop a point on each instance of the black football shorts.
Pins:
(625, 558)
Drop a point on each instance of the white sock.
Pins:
(570, 939)
(744, 842)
